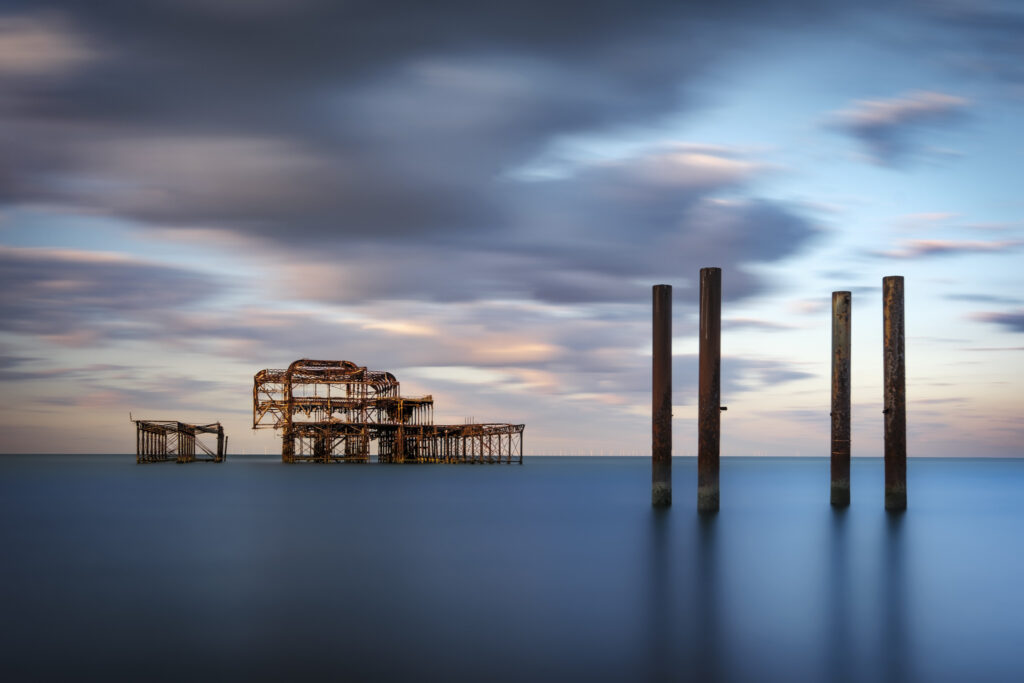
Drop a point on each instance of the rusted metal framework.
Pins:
(337, 411)
(169, 440)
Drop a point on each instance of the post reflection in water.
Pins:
(894, 639)
(683, 601)
(707, 660)
(840, 659)
(661, 597)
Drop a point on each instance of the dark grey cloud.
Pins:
(13, 369)
(739, 375)
(81, 297)
(747, 373)
(573, 253)
(348, 128)
(981, 39)
(890, 129)
(1012, 320)
(390, 110)
(153, 397)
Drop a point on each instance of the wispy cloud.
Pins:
(888, 127)
(754, 323)
(986, 298)
(80, 297)
(44, 44)
(1012, 320)
(912, 249)
(916, 222)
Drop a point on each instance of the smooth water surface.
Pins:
(556, 569)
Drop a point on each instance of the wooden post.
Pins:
(709, 394)
(895, 394)
(221, 444)
(661, 398)
(840, 399)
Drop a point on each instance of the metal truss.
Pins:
(337, 411)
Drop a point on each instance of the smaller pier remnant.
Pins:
(840, 399)
(661, 398)
(895, 405)
(169, 440)
(709, 400)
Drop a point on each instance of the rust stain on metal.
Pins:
(661, 397)
(334, 411)
(172, 441)
(709, 408)
(840, 399)
(895, 401)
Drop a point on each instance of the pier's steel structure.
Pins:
(172, 441)
(337, 411)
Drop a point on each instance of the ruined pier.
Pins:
(337, 411)
(173, 441)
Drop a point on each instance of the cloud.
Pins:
(750, 374)
(10, 370)
(980, 39)
(889, 128)
(985, 298)
(1013, 321)
(601, 233)
(753, 323)
(39, 45)
(925, 221)
(79, 297)
(810, 306)
(386, 150)
(924, 248)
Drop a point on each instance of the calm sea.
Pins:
(554, 570)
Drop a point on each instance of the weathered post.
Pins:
(709, 392)
(220, 442)
(661, 398)
(840, 399)
(895, 394)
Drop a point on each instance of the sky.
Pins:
(479, 196)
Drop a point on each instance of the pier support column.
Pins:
(322, 446)
(895, 409)
(220, 443)
(709, 404)
(661, 398)
(840, 399)
(288, 445)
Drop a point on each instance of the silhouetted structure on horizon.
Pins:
(336, 411)
(169, 440)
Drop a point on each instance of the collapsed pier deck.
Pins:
(173, 441)
(337, 411)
